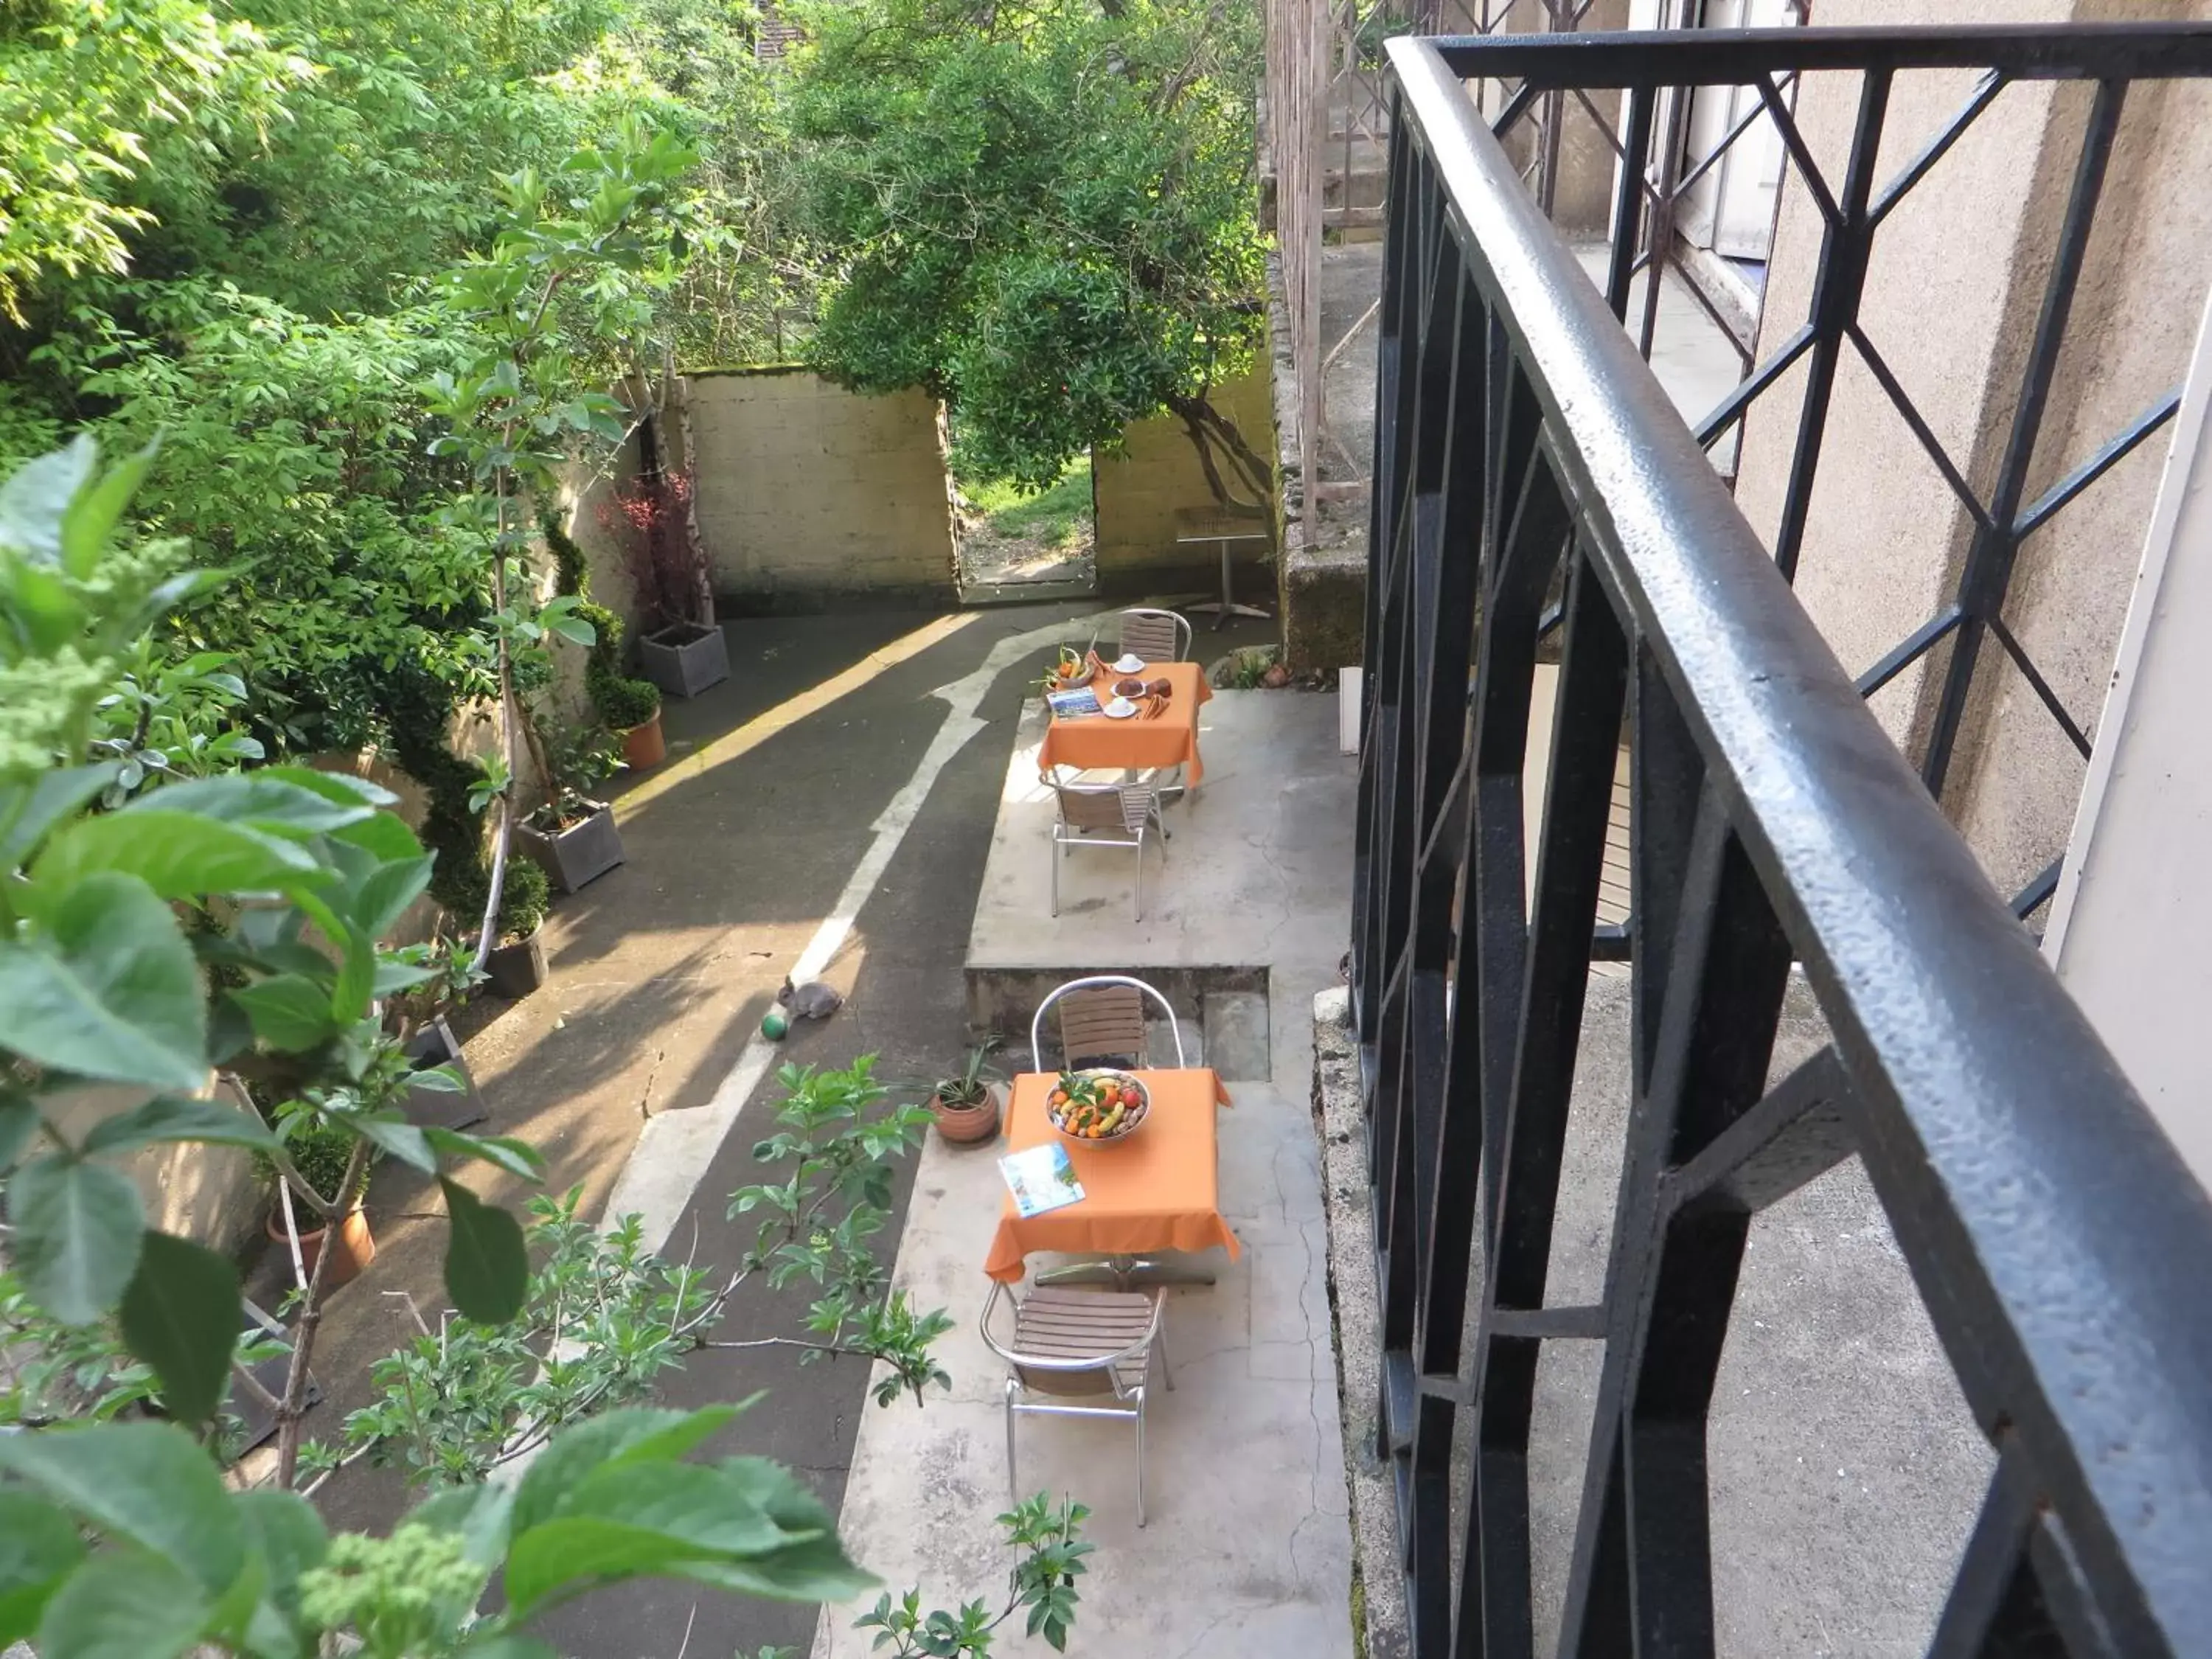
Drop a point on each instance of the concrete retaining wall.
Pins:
(1140, 488)
(808, 493)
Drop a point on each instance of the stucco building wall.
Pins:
(1951, 295)
(1138, 489)
(807, 493)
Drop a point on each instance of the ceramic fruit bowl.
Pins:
(1097, 1106)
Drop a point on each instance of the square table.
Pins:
(1156, 1190)
(1141, 743)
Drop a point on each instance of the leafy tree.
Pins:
(1041, 212)
(123, 1537)
(93, 95)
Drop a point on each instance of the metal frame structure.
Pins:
(1523, 447)
(1654, 68)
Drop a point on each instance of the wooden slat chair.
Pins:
(1155, 635)
(1101, 1018)
(1106, 815)
(1093, 1347)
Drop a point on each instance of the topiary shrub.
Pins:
(622, 701)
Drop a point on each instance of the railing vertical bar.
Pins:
(1628, 199)
(1844, 246)
(1990, 560)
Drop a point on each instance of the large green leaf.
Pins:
(172, 1117)
(19, 1121)
(340, 788)
(487, 1265)
(478, 1516)
(123, 1604)
(380, 900)
(396, 1137)
(716, 1525)
(35, 500)
(814, 1570)
(180, 1314)
(95, 511)
(38, 1547)
(77, 1231)
(270, 798)
(113, 992)
(284, 1529)
(27, 810)
(517, 1158)
(289, 1011)
(149, 1483)
(178, 854)
(634, 1434)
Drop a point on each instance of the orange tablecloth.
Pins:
(1093, 742)
(1155, 1191)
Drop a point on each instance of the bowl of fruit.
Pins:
(1097, 1105)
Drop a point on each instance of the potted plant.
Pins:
(416, 1018)
(632, 709)
(572, 836)
(966, 1107)
(683, 651)
(319, 1151)
(516, 965)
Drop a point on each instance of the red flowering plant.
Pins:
(652, 514)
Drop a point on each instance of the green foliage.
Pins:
(602, 1319)
(817, 1222)
(90, 96)
(1055, 516)
(100, 982)
(1043, 213)
(1042, 1586)
(621, 701)
(178, 1563)
(579, 759)
(524, 905)
(320, 1152)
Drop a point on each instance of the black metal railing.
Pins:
(1524, 451)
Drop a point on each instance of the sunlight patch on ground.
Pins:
(788, 712)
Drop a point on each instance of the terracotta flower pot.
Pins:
(643, 747)
(356, 1245)
(964, 1125)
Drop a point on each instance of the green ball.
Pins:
(774, 1025)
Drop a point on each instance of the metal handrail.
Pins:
(2051, 1228)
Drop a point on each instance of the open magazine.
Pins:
(1041, 1178)
(1071, 705)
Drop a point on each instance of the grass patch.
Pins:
(1054, 517)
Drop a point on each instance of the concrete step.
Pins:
(1235, 1025)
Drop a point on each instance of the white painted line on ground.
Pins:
(672, 1153)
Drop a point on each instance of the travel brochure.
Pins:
(1041, 1178)
(1070, 705)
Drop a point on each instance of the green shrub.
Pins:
(623, 702)
(524, 900)
(319, 1151)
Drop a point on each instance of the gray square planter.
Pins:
(684, 659)
(583, 852)
(433, 1045)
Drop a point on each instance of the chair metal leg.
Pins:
(1138, 900)
(1013, 1481)
(1140, 1459)
(1056, 875)
(1166, 1375)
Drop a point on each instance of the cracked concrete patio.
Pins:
(1247, 1551)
